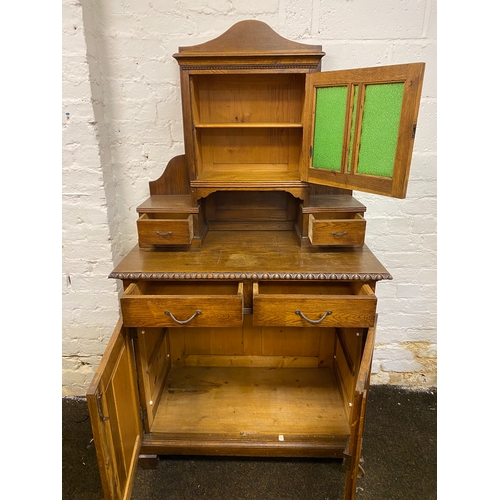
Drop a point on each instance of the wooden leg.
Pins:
(148, 461)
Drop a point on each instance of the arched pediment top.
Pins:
(250, 38)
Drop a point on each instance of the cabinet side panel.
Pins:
(174, 180)
(177, 345)
(153, 364)
(348, 351)
(357, 416)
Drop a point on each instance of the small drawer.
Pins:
(339, 304)
(173, 304)
(157, 229)
(337, 229)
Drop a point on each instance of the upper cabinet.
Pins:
(247, 127)
(259, 114)
(243, 98)
(360, 126)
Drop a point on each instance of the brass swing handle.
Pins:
(163, 235)
(338, 234)
(185, 322)
(313, 321)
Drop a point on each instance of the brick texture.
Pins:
(122, 122)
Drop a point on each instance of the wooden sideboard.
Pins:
(249, 307)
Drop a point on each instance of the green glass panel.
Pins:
(379, 131)
(329, 127)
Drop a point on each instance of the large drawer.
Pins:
(156, 229)
(339, 304)
(337, 229)
(173, 304)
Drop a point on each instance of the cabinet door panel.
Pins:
(113, 404)
(360, 127)
(358, 412)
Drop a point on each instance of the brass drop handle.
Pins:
(185, 322)
(338, 234)
(163, 235)
(313, 321)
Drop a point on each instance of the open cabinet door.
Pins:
(358, 414)
(359, 127)
(113, 403)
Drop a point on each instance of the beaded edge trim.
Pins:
(250, 276)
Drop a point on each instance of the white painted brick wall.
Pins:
(89, 299)
(121, 88)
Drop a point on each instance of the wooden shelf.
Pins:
(272, 172)
(260, 177)
(333, 203)
(251, 402)
(249, 125)
(168, 203)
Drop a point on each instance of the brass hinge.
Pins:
(142, 413)
(414, 131)
(347, 458)
(99, 407)
(346, 462)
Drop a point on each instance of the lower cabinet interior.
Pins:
(270, 402)
(247, 390)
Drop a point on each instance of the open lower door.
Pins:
(113, 403)
(358, 414)
(359, 127)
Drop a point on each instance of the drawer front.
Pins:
(353, 307)
(336, 232)
(220, 307)
(164, 232)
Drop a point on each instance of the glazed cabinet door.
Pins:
(359, 127)
(113, 404)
